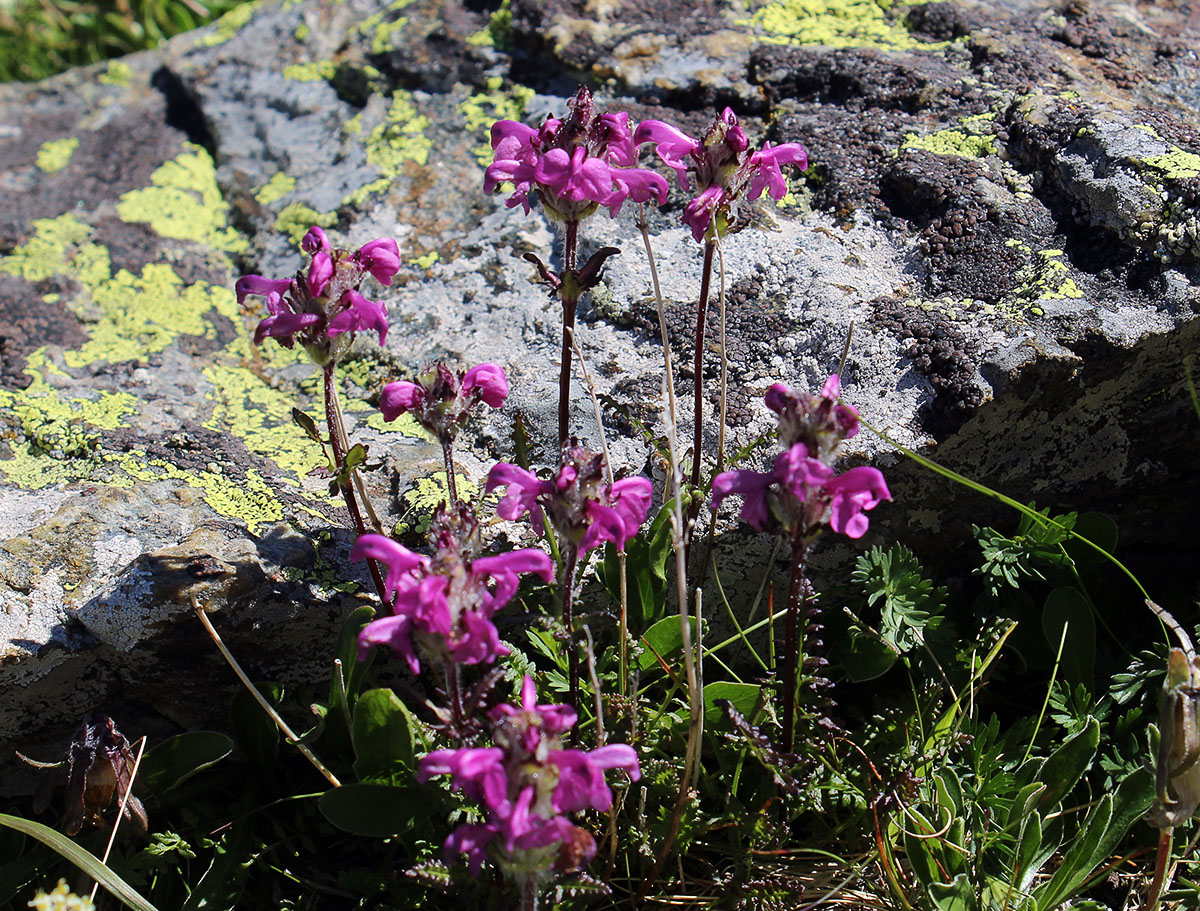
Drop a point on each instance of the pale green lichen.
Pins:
(424, 262)
(425, 496)
(279, 186)
(296, 219)
(184, 202)
(481, 109)
(317, 71)
(229, 24)
(383, 25)
(836, 23)
(118, 73)
(127, 315)
(1176, 164)
(398, 140)
(261, 416)
(302, 32)
(56, 154)
(496, 33)
(952, 142)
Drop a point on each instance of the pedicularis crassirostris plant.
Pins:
(545, 744)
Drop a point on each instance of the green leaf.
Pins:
(174, 761)
(383, 737)
(1066, 765)
(373, 810)
(744, 697)
(865, 656)
(1024, 804)
(84, 860)
(222, 885)
(307, 424)
(1066, 608)
(955, 895)
(1028, 843)
(254, 730)
(1077, 862)
(666, 638)
(1098, 528)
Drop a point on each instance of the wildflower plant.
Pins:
(668, 750)
(573, 167)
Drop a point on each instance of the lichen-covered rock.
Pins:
(1001, 198)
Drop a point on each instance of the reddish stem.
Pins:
(339, 443)
(791, 649)
(570, 302)
(698, 365)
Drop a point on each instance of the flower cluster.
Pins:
(527, 782)
(323, 302)
(573, 165)
(723, 166)
(583, 510)
(801, 492)
(442, 606)
(441, 399)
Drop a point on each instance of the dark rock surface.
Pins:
(1002, 198)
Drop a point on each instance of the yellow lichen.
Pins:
(54, 155)
(296, 219)
(380, 28)
(118, 73)
(318, 71)
(835, 23)
(229, 24)
(952, 142)
(185, 203)
(399, 140)
(482, 109)
(279, 186)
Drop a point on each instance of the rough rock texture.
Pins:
(1002, 198)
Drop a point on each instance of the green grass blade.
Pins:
(1022, 508)
(84, 860)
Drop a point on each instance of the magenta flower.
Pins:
(819, 421)
(526, 783)
(801, 493)
(583, 509)
(441, 399)
(323, 302)
(442, 607)
(724, 168)
(572, 165)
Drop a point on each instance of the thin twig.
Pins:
(120, 812)
(262, 700)
(678, 527)
(621, 559)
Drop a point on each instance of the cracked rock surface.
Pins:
(1002, 197)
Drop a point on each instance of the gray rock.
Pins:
(1001, 199)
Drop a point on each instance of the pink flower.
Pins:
(802, 493)
(526, 782)
(441, 400)
(818, 421)
(323, 301)
(443, 607)
(572, 165)
(724, 169)
(582, 508)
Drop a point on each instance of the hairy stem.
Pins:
(454, 695)
(448, 459)
(698, 363)
(790, 657)
(568, 598)
(678, 529)
(570, 302)
(337, 439)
